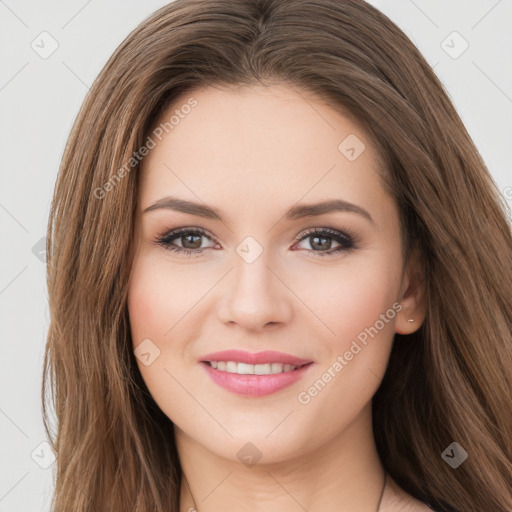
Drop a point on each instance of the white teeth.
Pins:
(265, 369)
(252, 369)
(243, 368)
(276, 368)
(231, 367)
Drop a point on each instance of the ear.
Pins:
(412, 297)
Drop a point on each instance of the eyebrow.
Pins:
(296, 212)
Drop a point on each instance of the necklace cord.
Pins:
(378, 505)
(383, 489)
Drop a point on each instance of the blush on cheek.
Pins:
(156, 302)
(141, 309)
(360, 320)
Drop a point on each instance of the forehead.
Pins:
(259, 143)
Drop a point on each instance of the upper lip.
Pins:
(267, 356)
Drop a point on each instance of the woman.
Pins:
(279, 275)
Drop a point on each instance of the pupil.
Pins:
(194, 245)
(320, 245)
(189, 242)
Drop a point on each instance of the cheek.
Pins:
(158, 298)
(353, 296)
(360, 301)
(143, 303)
(162, 307)
(151, 303)
(355, 354)
(155, 301)
(357, 307)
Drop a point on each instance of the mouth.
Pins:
(253, 369)
(254, 374)
(258, 380)
(253, 358)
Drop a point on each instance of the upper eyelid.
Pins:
(172, 233)
(178, 231)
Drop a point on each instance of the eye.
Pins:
(322, 238)
(189, 240)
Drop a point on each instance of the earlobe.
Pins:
(410, 326)
(412, 300)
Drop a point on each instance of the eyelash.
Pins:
(347, 242)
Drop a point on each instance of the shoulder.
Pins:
(395, 499)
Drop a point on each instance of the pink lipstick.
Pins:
(254, 374)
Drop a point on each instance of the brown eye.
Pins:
(188, 241)
(321, 240)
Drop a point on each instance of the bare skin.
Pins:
(394, 499)
(252, 154)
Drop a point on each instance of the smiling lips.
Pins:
(250, 374)
(252, 369)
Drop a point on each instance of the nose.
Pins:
(254, 296)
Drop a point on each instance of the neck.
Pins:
(344, 474)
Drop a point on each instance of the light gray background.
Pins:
(39, 99)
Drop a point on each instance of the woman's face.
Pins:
(262, 274)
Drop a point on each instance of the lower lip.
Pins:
(255, 385)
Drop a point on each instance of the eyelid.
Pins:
(328, 231)
(173, 233)
(346, 240)
(170, 232)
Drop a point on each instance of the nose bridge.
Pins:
(251, 273)
(255, 296)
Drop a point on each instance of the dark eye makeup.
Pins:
(317, 237)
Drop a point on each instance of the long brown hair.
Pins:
(450, 381)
